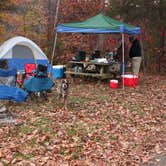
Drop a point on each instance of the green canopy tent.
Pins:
(98, 24)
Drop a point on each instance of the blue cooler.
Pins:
(58, 71)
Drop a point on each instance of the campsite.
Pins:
(82, 83)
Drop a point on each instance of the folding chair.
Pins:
(40, 83)
(29, 71)
(41, 71)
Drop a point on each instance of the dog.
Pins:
(63, 90)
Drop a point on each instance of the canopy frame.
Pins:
(122, 29)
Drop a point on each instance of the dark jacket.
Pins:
(135, 50)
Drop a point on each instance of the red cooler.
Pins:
(114, 84)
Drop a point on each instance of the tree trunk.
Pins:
(51, 25)
(162, 43)
(48, 28)
(101, 36)
(162, 34)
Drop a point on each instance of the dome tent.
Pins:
(20, 50)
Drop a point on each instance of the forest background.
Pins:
(35, 19)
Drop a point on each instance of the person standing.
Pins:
(135, 54)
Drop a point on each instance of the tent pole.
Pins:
(56, 35)
(123, 68)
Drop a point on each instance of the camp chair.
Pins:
(40, 83)
(29, 70)
(41, 71)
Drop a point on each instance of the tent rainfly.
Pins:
(20, 50)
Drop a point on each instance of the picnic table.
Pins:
(92, 69)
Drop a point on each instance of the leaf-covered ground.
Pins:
(101, 127)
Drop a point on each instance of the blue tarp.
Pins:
(12, 93)
(35, 84)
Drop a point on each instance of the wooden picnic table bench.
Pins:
(100, 71)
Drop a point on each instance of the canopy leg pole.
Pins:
(143, 56)
(55, 39)
(98, 43)
(82, 39)
(123, 67)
